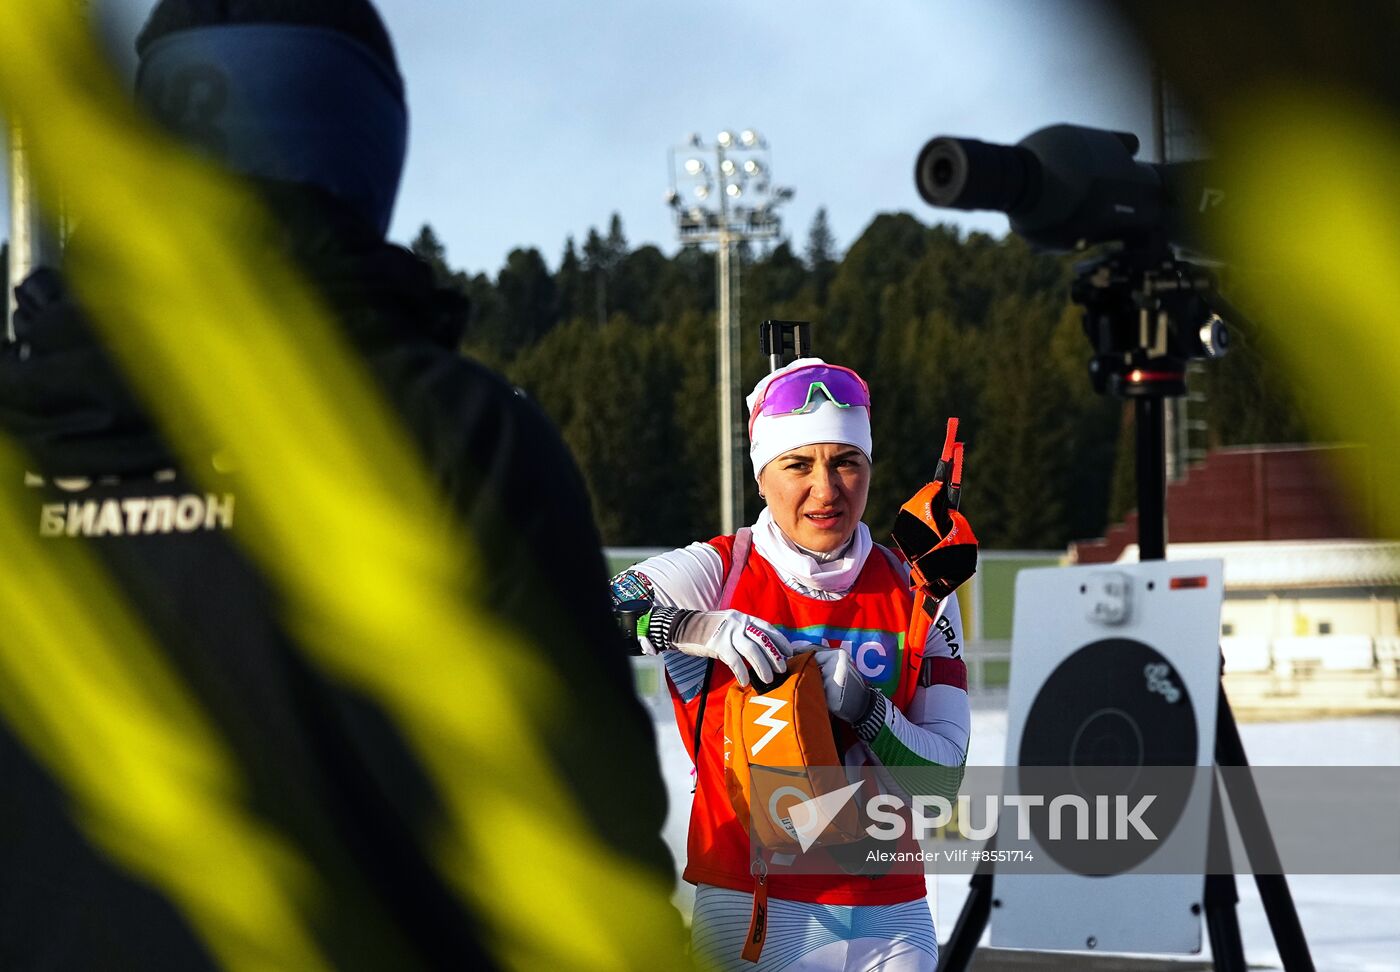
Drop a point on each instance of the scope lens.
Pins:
(942, 171)
(963, 173)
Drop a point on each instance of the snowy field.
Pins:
(1352, 922)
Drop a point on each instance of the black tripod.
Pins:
(1146, 315)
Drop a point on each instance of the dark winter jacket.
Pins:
(324, 764)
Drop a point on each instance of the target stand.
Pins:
(1116, 669)
(1113, 682)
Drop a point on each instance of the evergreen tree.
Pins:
(487, 334)
(692, 281)
(771, 283)
(569, 283)
(821, 254)
(821, 242)
(596, 265)
(924, 374)
(428, 248)
(696, 449)
(1092, 421)
(1016, 466)
(603, 258)
(640, 286)
(617, 415)
(615, 246)
(1122, 496)
(528, 299)
(876, 264)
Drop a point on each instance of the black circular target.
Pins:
(1112, 725)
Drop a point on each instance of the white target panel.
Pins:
(1113, 665)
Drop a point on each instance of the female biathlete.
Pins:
(805, 576)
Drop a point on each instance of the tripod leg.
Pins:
(1221, 895)
(1259, 845)
(956, 956)
(1223, 923)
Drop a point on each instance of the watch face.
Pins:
(628, 614)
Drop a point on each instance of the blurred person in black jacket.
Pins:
(323, 763)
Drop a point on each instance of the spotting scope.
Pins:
(1066, 187)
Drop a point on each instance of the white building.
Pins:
(1308, 617)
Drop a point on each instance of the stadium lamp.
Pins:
(714, 214)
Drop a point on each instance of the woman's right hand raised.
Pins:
(738, 640)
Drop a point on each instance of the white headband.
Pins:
(773, 435)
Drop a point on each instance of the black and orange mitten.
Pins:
(931, 534)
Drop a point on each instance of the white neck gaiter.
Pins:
(795, 563)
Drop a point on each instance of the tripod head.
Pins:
(1147, 314)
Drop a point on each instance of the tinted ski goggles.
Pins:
(801, 390)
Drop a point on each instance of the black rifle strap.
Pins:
(700, 718)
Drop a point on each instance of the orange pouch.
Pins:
(779, 750)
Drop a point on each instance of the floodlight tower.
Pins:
(723, 194)
(31, 242)
(35, 241)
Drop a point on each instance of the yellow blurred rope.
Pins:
(1311, 174)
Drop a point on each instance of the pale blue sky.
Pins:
(536, 119)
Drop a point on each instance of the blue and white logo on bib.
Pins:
(875, 653)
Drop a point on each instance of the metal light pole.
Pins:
(26, 227)
(34, 240)
(733, 203)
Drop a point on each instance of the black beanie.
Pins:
(295, 92)
(354, 18)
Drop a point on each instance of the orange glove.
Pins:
(932, 536)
